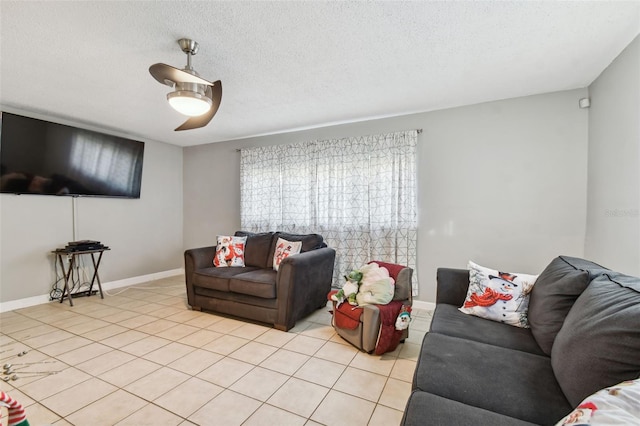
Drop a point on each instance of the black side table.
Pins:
(67, 274)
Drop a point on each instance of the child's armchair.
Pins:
(369, 326)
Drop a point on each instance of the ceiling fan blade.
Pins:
(166, 74)
(215, 94)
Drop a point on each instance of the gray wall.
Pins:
(502, 183)
(145, 235)
(613, 212)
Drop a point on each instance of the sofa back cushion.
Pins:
(599, 342)
(256, 252)
(555, 292)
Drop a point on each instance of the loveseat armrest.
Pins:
(195, 259)
(302, 285)
(452, 286)
(198, 258)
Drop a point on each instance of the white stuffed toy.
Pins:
(376, 287)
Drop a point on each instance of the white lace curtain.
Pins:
(359, 193)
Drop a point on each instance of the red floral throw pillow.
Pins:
(229, 252)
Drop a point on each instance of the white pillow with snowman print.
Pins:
(498, 296)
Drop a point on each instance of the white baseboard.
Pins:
(419, 304)
(141, 279)
(24, 303)
(39, 300)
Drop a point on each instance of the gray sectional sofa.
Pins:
(584, 336)
(256, 291)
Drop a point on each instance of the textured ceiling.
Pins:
(295, 65)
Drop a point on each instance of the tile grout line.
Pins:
(193, 347)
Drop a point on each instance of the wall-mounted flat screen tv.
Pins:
(40, 157)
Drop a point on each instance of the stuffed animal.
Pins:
(404, 318)
(17, 416)
(377, 287)
(349, 290)
(355, 276)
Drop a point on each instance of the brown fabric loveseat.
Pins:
(256, 291)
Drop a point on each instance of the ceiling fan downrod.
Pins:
(190, 47)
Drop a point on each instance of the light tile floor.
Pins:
(141, 357)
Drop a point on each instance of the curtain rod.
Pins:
(417, 131)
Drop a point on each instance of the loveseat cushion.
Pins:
(257, 248)
(555, 292)
(505, 381)
(427, 408)
(217, 278)
(260, 283)
(447, 319)
(599, 342)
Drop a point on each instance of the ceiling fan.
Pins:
(193, 96)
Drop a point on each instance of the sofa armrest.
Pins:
(302, 284)
(452, 286)
(195, 259)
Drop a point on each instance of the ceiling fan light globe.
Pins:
(189, 103)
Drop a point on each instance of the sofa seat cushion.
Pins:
(259, 283)
(217, 278)
(509, 382)
(599, 343)
(427, 408)
(447, 319)
(555, 292)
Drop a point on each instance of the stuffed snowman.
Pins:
(404, 318)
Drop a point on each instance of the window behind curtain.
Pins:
(359, 193)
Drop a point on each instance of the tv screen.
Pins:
(40, 157)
